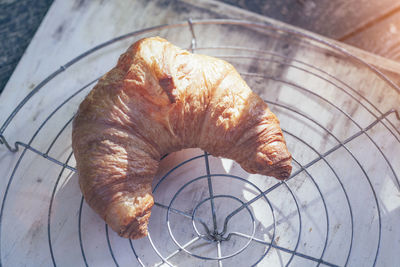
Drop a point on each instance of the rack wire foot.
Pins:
(3, 141)
(26, 146)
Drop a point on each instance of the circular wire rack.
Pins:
(338, 208)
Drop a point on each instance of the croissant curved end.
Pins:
(159, 99)
(126, 220)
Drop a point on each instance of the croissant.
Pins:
(159, 99)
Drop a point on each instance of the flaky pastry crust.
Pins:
(159, 99)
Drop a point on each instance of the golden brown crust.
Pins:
(160, 99)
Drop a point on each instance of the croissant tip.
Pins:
(134, 230)
(284, 173)
(136, 235)
(128, 221)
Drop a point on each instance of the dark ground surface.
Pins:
(19, 20)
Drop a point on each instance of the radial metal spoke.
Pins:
(194, 240)
(361, 131)
(219, 253)
(245, 205)
(193, 46)
(319, 261)
(45, 156)
(215, 236)
(312, 162)
(184, 214)
(28, 146)
(211, 192)
(2, 129)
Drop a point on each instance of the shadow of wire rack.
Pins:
(340, 207)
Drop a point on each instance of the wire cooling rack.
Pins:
(340, 207)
